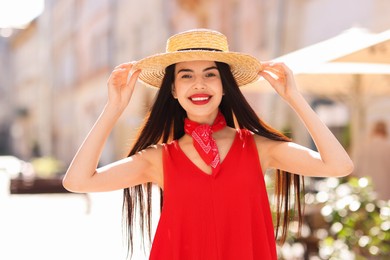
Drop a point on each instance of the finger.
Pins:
(272, 74)
(277, 71)
(282, 67)
(119, 74)
(275, 65)
(126, 64)
(134, 77)
(267, 63)
(268, 77)
(124, 67)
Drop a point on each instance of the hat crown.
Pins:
(198, 39)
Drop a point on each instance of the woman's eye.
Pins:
(210, 74)
(186, 76)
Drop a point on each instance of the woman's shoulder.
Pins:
(156, 151)
(245, 133)
(153, 154)
(263, 143)
(153, 150)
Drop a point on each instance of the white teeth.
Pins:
(199, 98)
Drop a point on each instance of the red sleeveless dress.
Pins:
(215, 217)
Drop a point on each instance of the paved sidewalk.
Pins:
(62, 226)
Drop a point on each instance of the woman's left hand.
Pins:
(280, 77)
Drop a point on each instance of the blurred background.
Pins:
(55, 59)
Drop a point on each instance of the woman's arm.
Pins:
(82, 175)
(331, 158)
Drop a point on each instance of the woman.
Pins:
(205, 147)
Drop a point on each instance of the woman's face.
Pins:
(198, 88)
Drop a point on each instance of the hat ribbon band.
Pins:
(199, 49)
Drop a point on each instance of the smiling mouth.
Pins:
(200, 98)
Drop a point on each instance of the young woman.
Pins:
(207, 150)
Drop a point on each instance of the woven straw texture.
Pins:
(180, 47)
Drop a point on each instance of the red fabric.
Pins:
(221, 217)
(203, 140)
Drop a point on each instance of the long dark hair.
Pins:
(165, 122)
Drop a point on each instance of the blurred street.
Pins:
(62, 226)
(56, 57)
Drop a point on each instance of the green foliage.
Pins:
(359, 224)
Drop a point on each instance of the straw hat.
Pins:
(199, 44)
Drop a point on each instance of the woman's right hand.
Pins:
(81, 175)
(120, 86)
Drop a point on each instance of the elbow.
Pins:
(72, 186)
(68, 185)
(77, 183)
(345, 169)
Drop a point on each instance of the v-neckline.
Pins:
(212, 174)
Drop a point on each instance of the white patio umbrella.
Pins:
(353, 67)
(356, 84)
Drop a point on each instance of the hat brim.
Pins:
(244, 67)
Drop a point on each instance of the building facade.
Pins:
(54, 73)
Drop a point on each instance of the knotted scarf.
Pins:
(203, 140)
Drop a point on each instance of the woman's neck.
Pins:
(203, 119)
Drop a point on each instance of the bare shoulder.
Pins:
(153, 154)
(153, 151)
(263, 142)
(265, 146)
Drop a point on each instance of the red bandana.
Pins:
(203, 140)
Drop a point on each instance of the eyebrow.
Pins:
(190, 70)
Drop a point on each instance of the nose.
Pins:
(199, 83)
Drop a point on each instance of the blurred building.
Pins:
(53, 74)
(5, 95)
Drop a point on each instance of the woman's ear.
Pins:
(173, 91)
